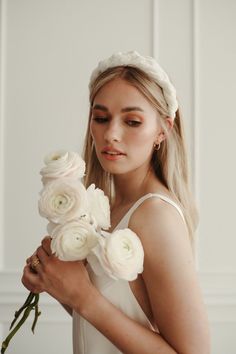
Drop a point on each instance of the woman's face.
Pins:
(124, 127)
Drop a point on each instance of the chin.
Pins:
(114, 169)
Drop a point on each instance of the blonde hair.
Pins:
(169, 162)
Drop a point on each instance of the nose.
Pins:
(113, 132)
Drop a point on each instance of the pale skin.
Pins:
(168, 289)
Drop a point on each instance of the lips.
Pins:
(112, 151)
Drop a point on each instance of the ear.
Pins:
(162, 135)
(169, 123)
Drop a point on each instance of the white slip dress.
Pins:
(86, 338)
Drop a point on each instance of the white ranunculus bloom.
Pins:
(120, 255)
(62, 164)
(73, 240)
(99, 207)
(63, 200)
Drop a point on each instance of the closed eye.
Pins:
(100, 120)
(133, 123)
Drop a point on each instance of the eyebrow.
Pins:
(100, 107)
(130, 109)
(126, 109)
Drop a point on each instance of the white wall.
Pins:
(48, 49)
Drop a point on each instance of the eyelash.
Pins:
(100, 120)
(129, 122)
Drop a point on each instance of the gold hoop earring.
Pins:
(157, 146)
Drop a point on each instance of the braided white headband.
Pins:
(146, 64)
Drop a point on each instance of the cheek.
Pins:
(91, 128)
(143, 137)
(93, 131)
(96, 134)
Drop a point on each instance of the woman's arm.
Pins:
(68, 309)
(173, 289)
(171, 278)
(126, 334)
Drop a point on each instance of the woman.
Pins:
(135, 152)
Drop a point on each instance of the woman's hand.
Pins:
(68, 282)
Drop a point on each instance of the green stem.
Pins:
(26, 303)
(37, 312)
(13, 332)
(28, 306)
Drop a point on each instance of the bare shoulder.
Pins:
(155, 209)
(170, 276)
(159, 223)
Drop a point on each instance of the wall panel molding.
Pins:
(219, 290)
(13, 295)
(176, 47)
(155, 25)
(2, 106)
(220, 298)
(195, 101)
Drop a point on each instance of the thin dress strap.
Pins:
(170, 201)
(124, 222)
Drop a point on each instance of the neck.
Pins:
(131, 186)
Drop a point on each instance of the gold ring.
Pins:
(34, 263)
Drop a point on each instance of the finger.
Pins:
(27, 273)
(46, 244)
(31, 280)
(35, 264)
(42, 255)
(26, 284)
(29, 259)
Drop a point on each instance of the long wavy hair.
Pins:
(169, 162)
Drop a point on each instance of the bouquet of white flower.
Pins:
(77, 219)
